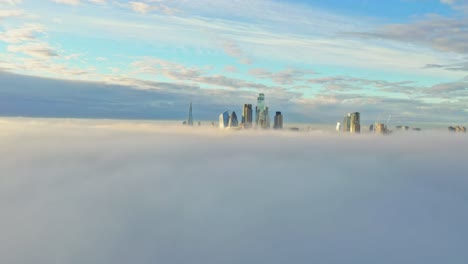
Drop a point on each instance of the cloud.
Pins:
(140, 7)
(10, 13)
(285, 77)
(84, 191)
(11, 2)
(78, 2)
(179, 72)
(68, 2)
(149, 6)
(232, 49)
(27, 32)
(451, 89)
(441, 33)
(34, 49)
(449, 67)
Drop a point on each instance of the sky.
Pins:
(314, 60)
(109, 191)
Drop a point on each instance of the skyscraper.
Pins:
(352, 123)
(224, 120)
(259, 108)
(233, 122)
(190, 117)
(262, 117)
(278, 121)
(347, 123)
(355, 123)
(247, 116)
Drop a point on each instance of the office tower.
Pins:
(266, 116)
(355, 123)
(247, 116)
(402, 128)
(262, 116)
(233, 120)
(259, 108)
(224, 120)
(190, 117)
(338, 126)
(352, 123)
(347, 123)
(380, 128)
(278, 121)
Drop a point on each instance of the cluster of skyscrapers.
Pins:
(351, 123)
(459, 129)
(262, 117)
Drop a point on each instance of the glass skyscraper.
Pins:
(247, 116)
(262, 117)
(224, 120)
(278, 121)
(352, 123)
(233, 122)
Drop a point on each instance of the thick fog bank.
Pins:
(115, 192)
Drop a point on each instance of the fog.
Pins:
(103, 191)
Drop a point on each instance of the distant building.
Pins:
(346, 123)
(458, 129)
(190, 117)
(224, 120)
(404, 128)
(247, 116)
(262, 117)
(380, 128)
(278, 121)
(352, 123)
(338, 126)
(233, 122)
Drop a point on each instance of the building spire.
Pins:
(190, 117)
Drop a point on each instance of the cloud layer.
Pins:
(81, 191)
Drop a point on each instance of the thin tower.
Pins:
(190, 117)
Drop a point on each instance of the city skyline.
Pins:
(315, 59)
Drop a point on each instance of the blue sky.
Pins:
(315, 60)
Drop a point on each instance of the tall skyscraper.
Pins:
(224, 120)
(278, 121)
(352, 123)
(262, 117)
(259, 108)
(247, 116)
(355, 123)
(190, 117)
(233, 122)
(347, 123)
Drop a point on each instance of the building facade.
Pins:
(262, 118)
(247, 116)
(190, 117)
(233, 122)
(278, 121)
(352, 123)
(224, 120)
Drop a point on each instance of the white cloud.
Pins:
(140, 7)
(10, 13)
(68, 2)
(11, 2)
(81, 191)
(25, 33)
(149, 6)
(34, 49)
